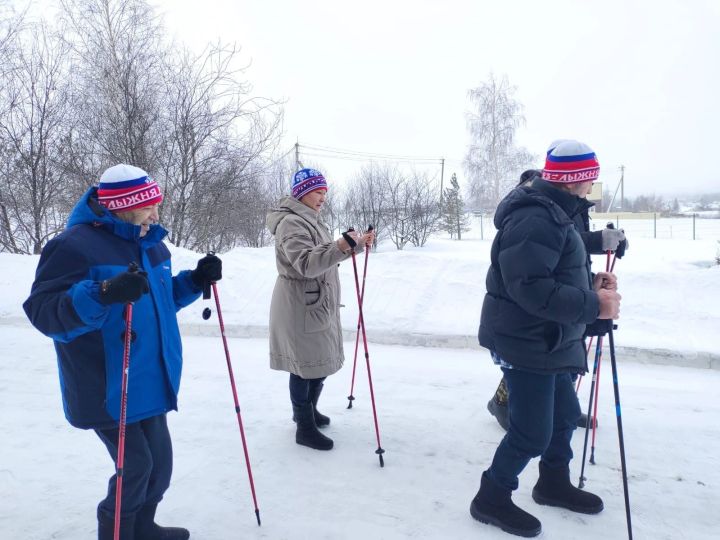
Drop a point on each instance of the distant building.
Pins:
(596, 197)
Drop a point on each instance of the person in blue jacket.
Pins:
(540, 297)
(82, 284)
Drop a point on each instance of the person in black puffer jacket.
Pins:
(596, 243)
(540, 297)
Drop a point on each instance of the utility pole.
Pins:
(442, 174)
(297, 155)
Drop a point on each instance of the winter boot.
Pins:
(106, 527)
(320, 419)
(307, 433)
(554, 488)
(582, 421)
(498, 405)
(493, 505)
(147, 529)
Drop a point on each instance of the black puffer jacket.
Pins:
(539, 287)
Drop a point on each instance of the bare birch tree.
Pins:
(424, 208)
(34, 107)
(398, 211)
(366, 199)
(217, 134)
(117, 70)
(493, 162)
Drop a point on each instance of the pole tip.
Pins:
(257, 516)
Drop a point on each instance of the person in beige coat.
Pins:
(305, 330)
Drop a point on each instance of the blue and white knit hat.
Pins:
(307, 180)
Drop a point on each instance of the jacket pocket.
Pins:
(317, 308)
(553, 336)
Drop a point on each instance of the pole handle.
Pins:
(206, 286)
(349, 239)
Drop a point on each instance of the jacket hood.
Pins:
(561, 205)
(89, 211)
(287, 206)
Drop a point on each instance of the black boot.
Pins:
(307, 433)
(320, 419)
(493, 505)
(498, 405)
(147, 529)
(582, 421)
(554, 488)
(106, 527)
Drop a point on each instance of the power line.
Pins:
(369, 155)
(365, 159)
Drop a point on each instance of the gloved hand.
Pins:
(598, 328)
(124, 288)
(622, 247)
(208, 270)
(611, 240)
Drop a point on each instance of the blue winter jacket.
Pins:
(539, 286)
(64, 305)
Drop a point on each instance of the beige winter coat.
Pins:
(305, 330)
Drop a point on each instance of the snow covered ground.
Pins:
(434, 427)
(432, 295)
(431, 406)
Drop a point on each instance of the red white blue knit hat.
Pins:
(124, 187)
(569, 162)
(307, 180)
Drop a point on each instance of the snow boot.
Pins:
(147, 529)
(106, 527)
(582, 421)
(500, 412)
(498, 405)
(554, 488)
(307, 433)
(320, 419)
(493, 505)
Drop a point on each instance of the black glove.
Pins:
(209, 270)
(124, 288)
(622, 246)
(598, 328)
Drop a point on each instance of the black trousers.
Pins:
(147, 465)
(301, 389)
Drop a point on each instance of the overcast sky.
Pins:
(637, 80)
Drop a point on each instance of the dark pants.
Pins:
(147, 465)
(301, 389)
(543, 412)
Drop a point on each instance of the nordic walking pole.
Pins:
(593, 420)
(598, 354)
(351, 397)
(608, 268)
(618, 410)
(352, 244)
(235, 398)
(621, 440)
(127, 338)
(587, 352)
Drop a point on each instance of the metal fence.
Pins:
(646, 225)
